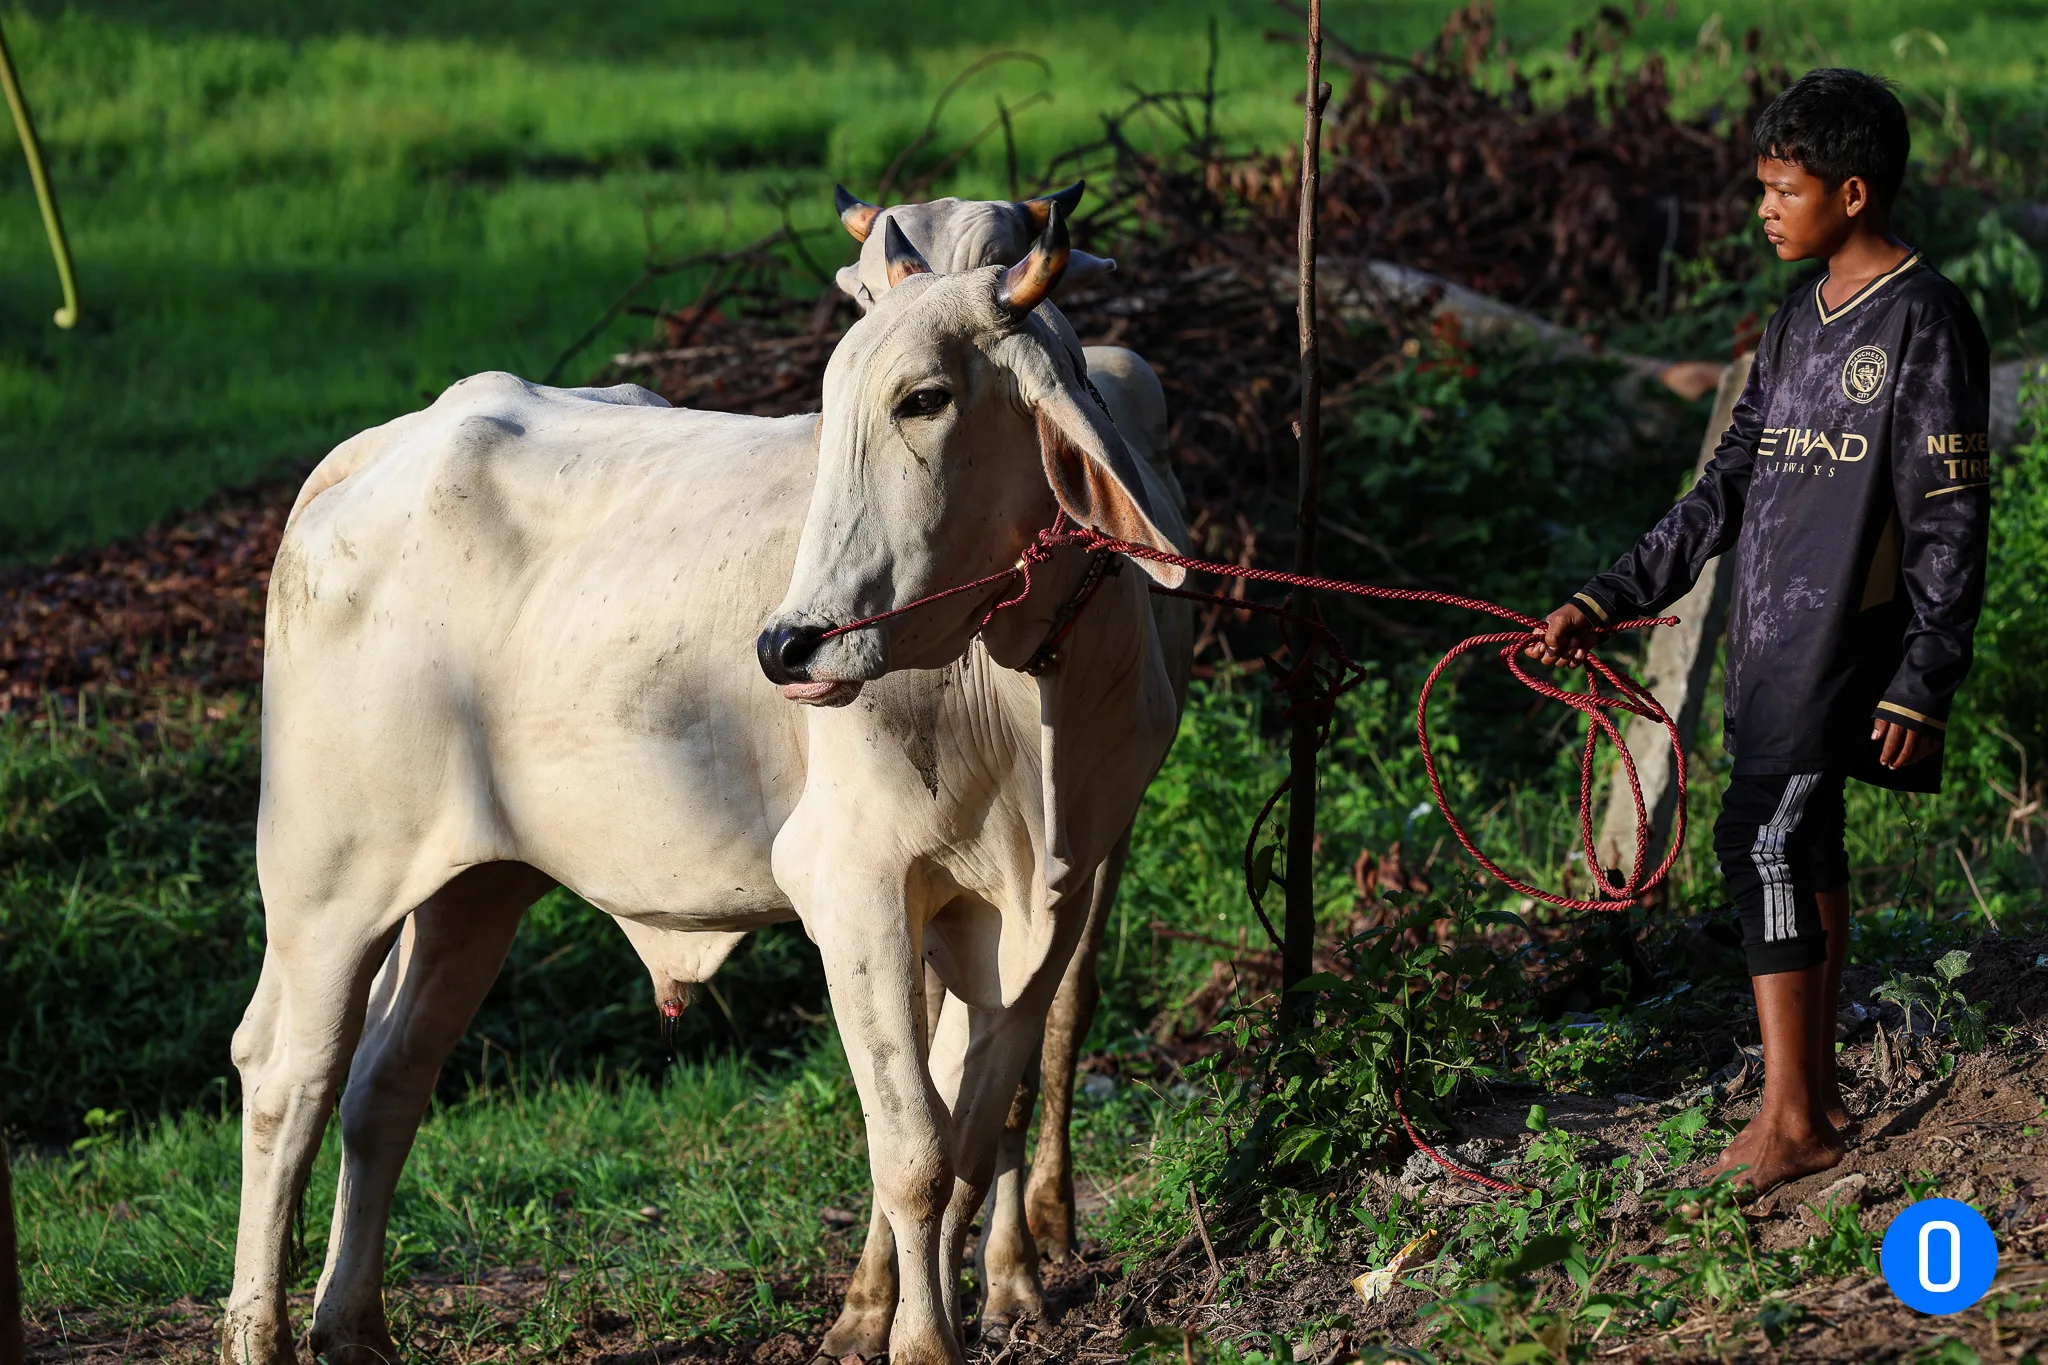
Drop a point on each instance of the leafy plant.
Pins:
(1687, 1135)
(1999, 268)
(1942, 1002)
(1418, 1007)
(1511, 1319)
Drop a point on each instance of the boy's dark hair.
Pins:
(1837, 123)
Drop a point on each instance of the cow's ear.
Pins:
(1099, 482)
(848, 280)
(1083, 266)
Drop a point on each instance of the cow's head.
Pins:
(954, 235)
(956, 421)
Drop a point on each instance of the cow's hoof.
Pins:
(858, 1337)
(1009, 1304)
(255, 1339)
(1055, 1250)
(1052, 1227)
(998, 1328)
(365, 1348)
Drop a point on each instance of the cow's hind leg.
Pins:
(1009, 1259)
(439, 971)
(292, 1049)
(862, 1331)
(1049, 1196)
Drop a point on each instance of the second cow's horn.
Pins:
(1025, 285)
(858, 216)
(1066, 200)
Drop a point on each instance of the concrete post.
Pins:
(1677, 672)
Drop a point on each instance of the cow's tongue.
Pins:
(821, 693)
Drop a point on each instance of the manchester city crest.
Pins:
(1863, 373)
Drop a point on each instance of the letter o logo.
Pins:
(1955, 1255)
(1939, 1256)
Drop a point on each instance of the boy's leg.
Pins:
(1822, 860)
(1767, 854)
(1790, 1135)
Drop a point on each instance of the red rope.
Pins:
(1328, 684)
(1463, 1172)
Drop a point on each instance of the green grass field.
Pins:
(294, 221)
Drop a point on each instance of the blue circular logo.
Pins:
(1939, 1256)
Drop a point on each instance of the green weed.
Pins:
(1940, 1001)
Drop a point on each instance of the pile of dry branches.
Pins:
(1578, 209)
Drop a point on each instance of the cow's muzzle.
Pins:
(786, 651)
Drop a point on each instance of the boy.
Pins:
(1853, 487)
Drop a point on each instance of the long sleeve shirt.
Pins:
(1854, 488)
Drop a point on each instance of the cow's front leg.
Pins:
(862, 1330)
(1049, 1195)
(875, 974)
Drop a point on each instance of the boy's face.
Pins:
(1803, 219)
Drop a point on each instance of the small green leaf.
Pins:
(1972, 1033)
(1262, 868)
(1537, 1254)
(1952, 964)
(1538, 1119)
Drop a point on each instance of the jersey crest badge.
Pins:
(1863, 373)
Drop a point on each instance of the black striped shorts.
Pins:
(1779, 840)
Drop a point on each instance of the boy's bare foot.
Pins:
(1771, 1155)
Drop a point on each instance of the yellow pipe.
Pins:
(67, 316)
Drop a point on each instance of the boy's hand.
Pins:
(1902, 747)
(1566, 635)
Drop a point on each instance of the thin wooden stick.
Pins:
(1972, 877)
(1297, 957)
(1202, 1227)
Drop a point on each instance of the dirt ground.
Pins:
(1978, 1132)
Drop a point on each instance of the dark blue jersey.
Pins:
(1854, 489)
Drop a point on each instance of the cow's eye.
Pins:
(924, 403)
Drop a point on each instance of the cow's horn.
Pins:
(859, 217)
(1024, 285)
(1040, 208)
(901, 256)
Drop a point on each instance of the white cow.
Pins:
(1025, 1220)
(505, 648)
